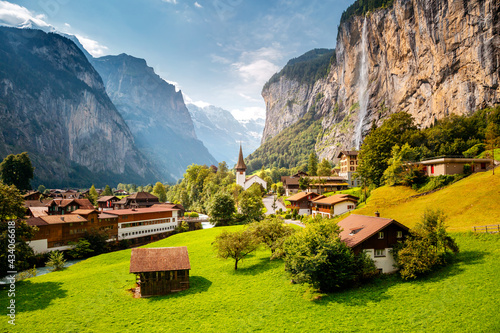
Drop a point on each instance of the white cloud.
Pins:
(256, 72)
(248, 98)
(189, 100)
(219, 59)
(176, 84)
(174, 2)
(247, 113)
(197, 5)
(92, 46)
(15, 15)
(67, 25)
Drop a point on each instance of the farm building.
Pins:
(160, 271)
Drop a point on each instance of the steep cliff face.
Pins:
(429, 58)
(53, 105)
(155, 112)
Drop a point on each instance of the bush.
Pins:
(288, 216)
(56, 261)
(82, 249)
(194, 214)
(26, 274)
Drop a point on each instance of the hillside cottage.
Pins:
(332, 206)
(453, 165)
(349, 161)
(160, 271)
(136, 200)
(375, 236)
(301, 201)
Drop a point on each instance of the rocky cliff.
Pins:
(53, 104)
(155, 112)
(429, 58)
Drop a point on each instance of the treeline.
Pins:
(306, 69)
(288, 149)
(361, 7)
(400, 138)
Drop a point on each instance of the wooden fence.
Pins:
(493, 228)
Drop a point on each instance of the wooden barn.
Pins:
(160, 271)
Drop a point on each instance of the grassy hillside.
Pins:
(92, 296)
(472, 201)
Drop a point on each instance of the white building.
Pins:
(241, 174)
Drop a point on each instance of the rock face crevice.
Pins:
(53, 105)
(429, 58)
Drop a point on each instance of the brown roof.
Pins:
(83, 211)
(301, 195)
(143, 195)
(367, 226)
(290, 180)
(36, 203)
(83, 203)
(36, 221)
(169, 205)
(57, 219)
(153, 209)
(241, 163)
(106, 216)
(335, 199)
(159, 259)
(38, 211)
(106, 198)
(348, 153)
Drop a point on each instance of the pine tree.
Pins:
(312, 167)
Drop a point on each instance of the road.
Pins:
(268, 203)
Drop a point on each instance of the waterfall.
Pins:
(363, 88)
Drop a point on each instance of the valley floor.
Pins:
(93, 296)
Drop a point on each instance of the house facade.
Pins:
(374, 236)
(67, 206)
(136, 200)
(349, 162)
(453, 165)
(302, 202)
(334, 205)
(106, 202)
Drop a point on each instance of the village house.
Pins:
(32, 196)
(136, 200)
(160, 271)
(145, 224)
(349, 162)
(106, 202)
(290, 184)
(302, 202)
(66, 206)
(323, 184)
(375, 236)
(241, 178)
(334, 205)
(453, 165)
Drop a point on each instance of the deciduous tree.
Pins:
(235, 245)
(159, 191)
(17, 170)
(221, 209)
(324, 168)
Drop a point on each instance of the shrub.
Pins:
(26, 274)
(82, 249)
(194, 214)
(56, 261)
(288, 216)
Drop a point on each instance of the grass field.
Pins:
(472, 201)
(92, 296)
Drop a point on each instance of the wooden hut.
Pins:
(160, 271)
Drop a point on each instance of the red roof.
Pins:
(358, 228)
(301, 195)
(335, 199)
(159, 259)
(153, 209)
(83, 203)
(36, 221)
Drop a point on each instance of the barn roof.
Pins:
(358, 228)
(159, 259)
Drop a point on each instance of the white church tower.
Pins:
(241, 170)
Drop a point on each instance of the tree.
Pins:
(81, 249)
(396, 168)
(14, 231)
(304, 183)
(250, 203)
(41, 189)
(324, 168)
(316, 255)
(93, 195)
(235, 245)
(427, 247)
(17, 170)
(159, 191)
(312, 166)
(107, 191)
(272, 232)
(221, 209)
(492, 140)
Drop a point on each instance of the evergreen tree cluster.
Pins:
(361, 7)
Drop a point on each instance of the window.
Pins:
(352, 168)
(400, 234)
(350, 206)
(432, 168)
(379, 253)
(381, 235)
(352, 162)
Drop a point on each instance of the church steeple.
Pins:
(241, 163)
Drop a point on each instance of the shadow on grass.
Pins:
(263, 265)
(197, 284)
(37, 296)
(376, 289)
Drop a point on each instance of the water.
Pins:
(45, 270)
(363, 88)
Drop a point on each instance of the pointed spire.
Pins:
(241, 163)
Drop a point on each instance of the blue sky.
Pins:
(219, 52)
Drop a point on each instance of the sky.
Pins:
(217, 52)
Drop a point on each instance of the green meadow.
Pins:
(93, 296)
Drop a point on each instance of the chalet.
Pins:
(145, 224)
(180, 207)
(121, 192)
(453, 165)
(106, 202)
(70, 194)
(109, 224)
(137, 200)
(241, 178)
(32, 195)
(322, 184)
(66, 206)
(301, 201)
(160, 271)
(348, 165)
(375, 236)
(290, 184)
(334, 205)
